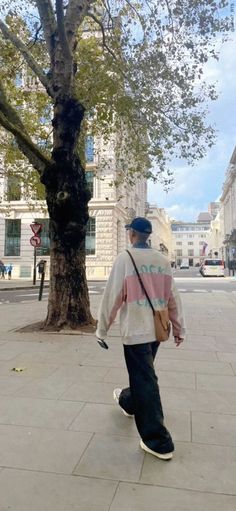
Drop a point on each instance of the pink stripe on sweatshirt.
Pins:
(157, 285)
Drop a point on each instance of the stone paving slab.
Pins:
(199, 400)
(138, 497)
(34, 370)
(22, 490)
(216, 382)
(226, 357)
(81, 373)
(39, 413)
(212, 428)
(46, 450)
(196, 366)
(208, 468)
(52, 387)
(9, 386)
(189, 355)
(111, 457)
(90, 392)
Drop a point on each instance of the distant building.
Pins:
(161, 237)
(228, 201)
(190, 240)
(213, 209)
(216, 237)
(204, 217)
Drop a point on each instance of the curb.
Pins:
(37, 286)
(21, 287)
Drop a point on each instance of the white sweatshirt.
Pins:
(123, 291)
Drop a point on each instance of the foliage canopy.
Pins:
(140, 69)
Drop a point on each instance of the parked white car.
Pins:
(212, 268)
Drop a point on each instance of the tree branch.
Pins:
(11, 121)
(28, 148)
(48, 21)
(75, 14)
(139, 16)
(35, 37)
(22, 48)
(66, 51)
(94, 18)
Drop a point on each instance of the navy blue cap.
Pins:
(140, 224)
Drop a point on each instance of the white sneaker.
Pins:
(165, 456)
(116, 396)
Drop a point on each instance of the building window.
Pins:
(13, 188)
(179, 253)
(201, 242)
(178, 243)
(89, 176)
(44, 248)
(12, 237)
(90, 237)
(189, 235)
(190, 253)
(190, 242)
(89, 149)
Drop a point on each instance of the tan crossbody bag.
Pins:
(161, 318)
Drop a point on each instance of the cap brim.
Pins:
(128, 226)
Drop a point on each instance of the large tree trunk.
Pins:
(68, 304)
(67, 199)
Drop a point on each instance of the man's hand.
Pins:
(178, 341)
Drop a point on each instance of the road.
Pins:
(187, 281)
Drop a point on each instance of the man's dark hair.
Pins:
(142, 236)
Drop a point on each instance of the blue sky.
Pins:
(196, 186)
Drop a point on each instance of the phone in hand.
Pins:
(103, 344)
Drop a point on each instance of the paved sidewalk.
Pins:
(65, 445)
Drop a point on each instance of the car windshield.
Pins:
(213, 262)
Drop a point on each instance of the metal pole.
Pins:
(34, 271)
(41, 286)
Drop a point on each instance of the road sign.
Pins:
(36, 228)
(35, 241)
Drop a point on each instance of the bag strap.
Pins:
(141, 282)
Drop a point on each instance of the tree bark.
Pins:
(68, 304)
(67, 198)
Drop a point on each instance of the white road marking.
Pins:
(182, 290)
(219, 291)
(200, 291)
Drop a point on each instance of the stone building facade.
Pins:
(161, 237)
(110, 208)
(228, 202)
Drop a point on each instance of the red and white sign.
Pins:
(35, 241)
(36, 228)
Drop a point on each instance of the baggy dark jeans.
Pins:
(143, 399)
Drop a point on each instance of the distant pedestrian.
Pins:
(9, 271)
(2, 270)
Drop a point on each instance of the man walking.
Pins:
(124, 291)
